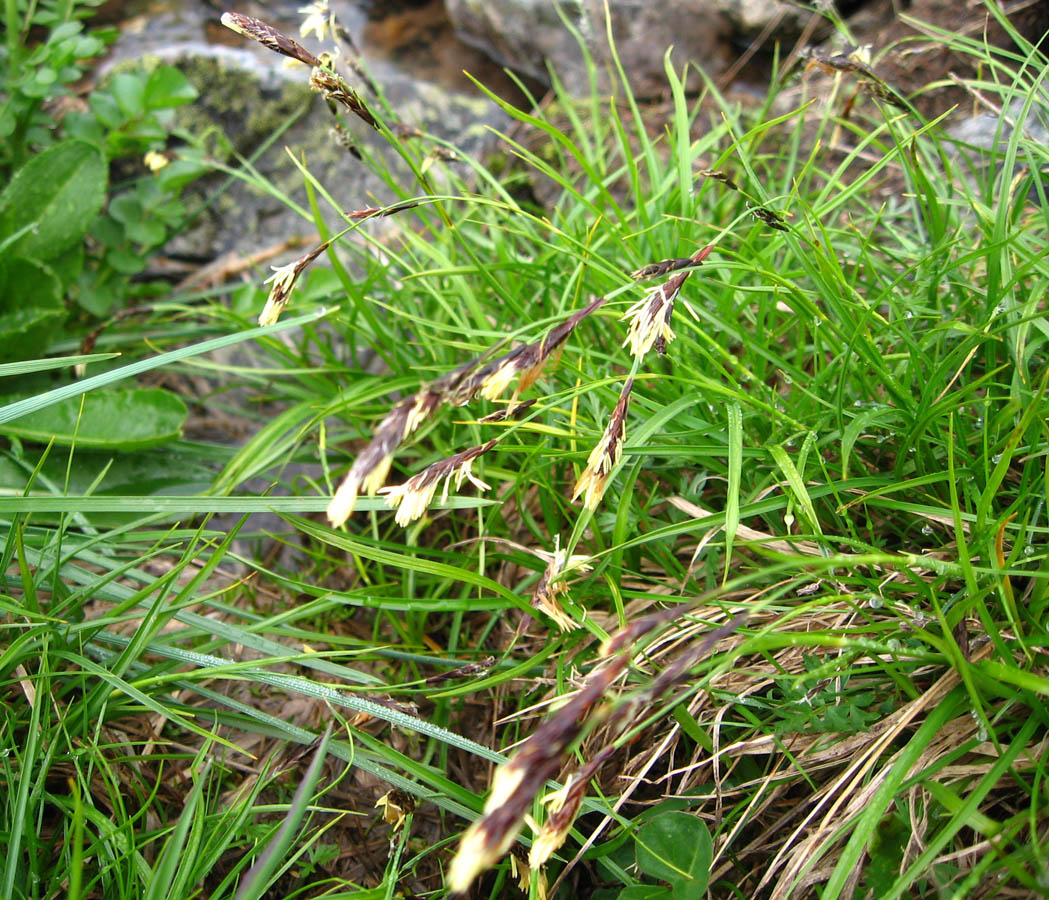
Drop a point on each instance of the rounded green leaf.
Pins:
(31, 308)
(59, 192)
(676, 847)
(113, 420)
(168, 87)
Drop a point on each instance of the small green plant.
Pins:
(69, 229)
(672, 847)
(90, 193)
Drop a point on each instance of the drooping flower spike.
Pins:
(414, 497)
(607, 454)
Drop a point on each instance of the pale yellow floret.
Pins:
(546, 844)
(231, 23)
(549, 605)
(345, 499)
(414, 497)
(461, 474)
(409, 500)
(476, 854)
(376, 478)
(282, 280)
(505, 782)
(494, 385)
(648, 323)
(415, 416)
(155, 161)
(599, 464)
(317, 18)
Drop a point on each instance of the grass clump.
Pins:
(755, 417)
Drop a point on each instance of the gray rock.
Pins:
(248, 94)
(530, 34)
(749, 18)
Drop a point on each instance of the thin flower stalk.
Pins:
(606, 455)
(552, 585)
(414, 497)
(283, 280)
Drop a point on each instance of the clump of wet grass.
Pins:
(762, 543)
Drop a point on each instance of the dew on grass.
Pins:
(875, 603)
(927, 529)
(997, 458)
(1028, 550)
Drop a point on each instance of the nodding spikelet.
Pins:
(562, 808)
(649, 318)
(517, 782)
(525, 362)
(323, 78)
(665, 266)
(414, 497)
(606, 455)
(552, 584)
(718, 175)
(371, 467)
(770, 218)
(377, 212)
(283, 280)
(335, 89)
(269, 37)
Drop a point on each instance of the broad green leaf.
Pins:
(118, 420)
(129, 89)
(31, 308)
(59, 192)
(676, 847)
(168, 87)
